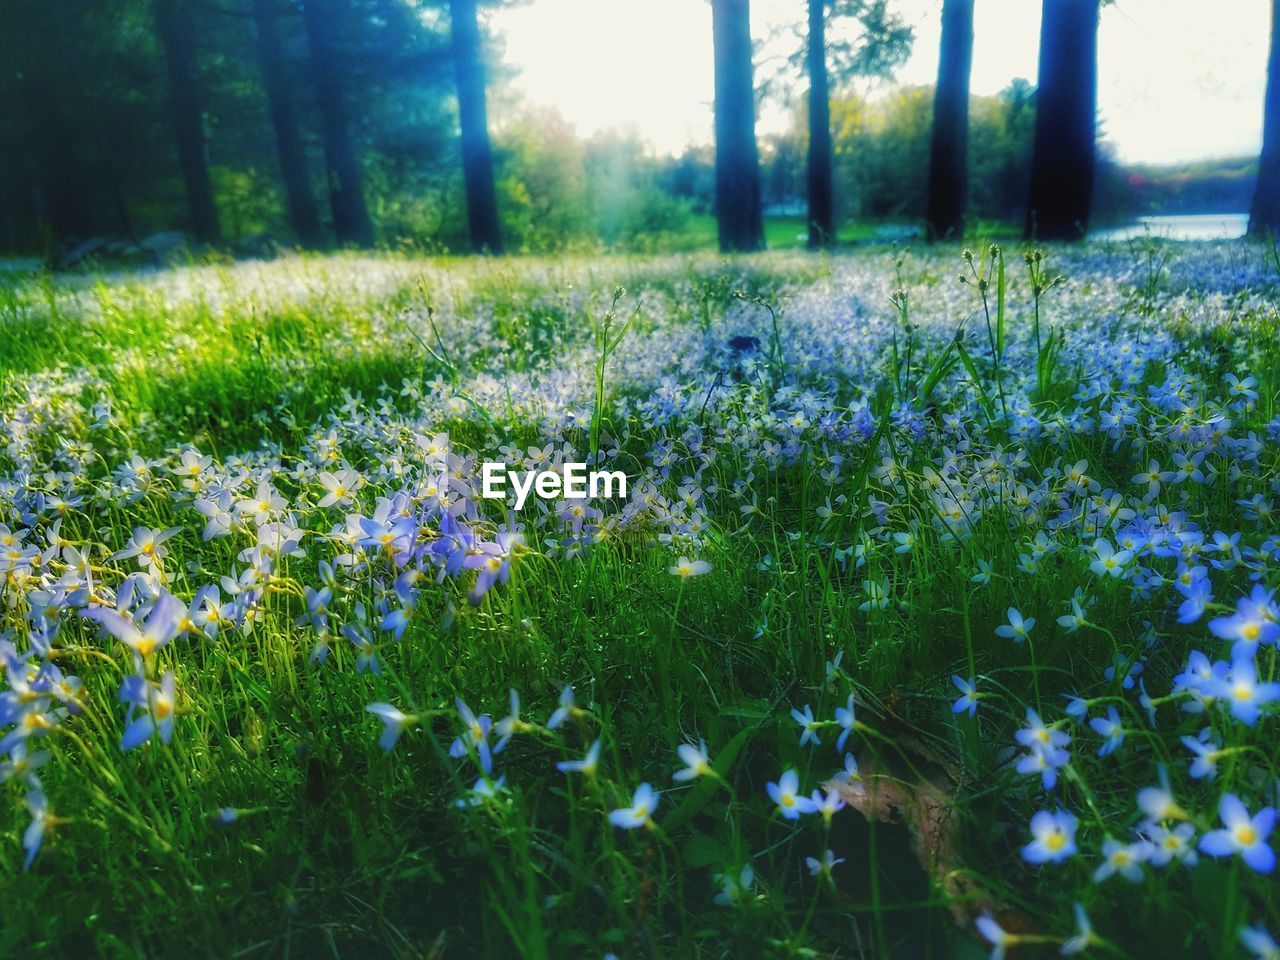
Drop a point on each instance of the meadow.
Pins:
(938, 621)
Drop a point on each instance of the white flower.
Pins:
(685, 568)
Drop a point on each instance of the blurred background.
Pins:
(134, 128)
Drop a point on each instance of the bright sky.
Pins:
(1178, 79)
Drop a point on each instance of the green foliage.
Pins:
(340, 849)
(882, 154)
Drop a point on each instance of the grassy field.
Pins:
(937, 621)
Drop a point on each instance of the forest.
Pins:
(263, 124)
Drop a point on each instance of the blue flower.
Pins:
(151, 709)
(161, 626)
(1242, 834)
(1125, 859)
(565, 710)
(1207, 753)
(1084, 937)
(474, 737)
(587, 766)
(1126, 668)
(808, 725)
(640, 813)
(1243, 693)
(395, 722)
(1254, 623)
(1017, 628)
(1053, 837)
(696, 762)
(824, 866)
(1260, 943)
(1111, 729)
(995, 935)
(1046, 747)
(41, 821)
(968, 700)
(786, 794)
(846, 718)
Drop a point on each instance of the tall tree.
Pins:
(473, 115)
(949, 142)
(303, 214)
(1264, 214)
(351, 223)
(1062, 159)
(882, 43)
(62, 196)
(173, 26)
(738, 206)
(821, 205)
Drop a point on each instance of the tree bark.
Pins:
(304, 216)
(62, 203)
(483, 221)
(351, 223)
(173, 26)
(821, 206)
(738, 213)
(1066, 116)
(1264, 213)
(949, 143)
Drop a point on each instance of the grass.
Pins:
(846, 479)
(790, 233)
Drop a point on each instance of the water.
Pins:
(1201, 226)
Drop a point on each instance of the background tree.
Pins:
(351, 223)
(1264, 213)
(1062, 163)
(483, 222)
(304, 216)
(173, 27)
(822, 218)
(881, 43)
(949, 143)
(739, 216)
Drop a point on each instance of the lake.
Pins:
(1200, 226)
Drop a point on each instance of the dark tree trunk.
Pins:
(821, 209)
(1264, 214)
(949, 144)
(173, 26)
(62, 204)
(477, 153)
(111, 173)
(351, 223)
(303, 214)
(1066, 115)
(740, 219)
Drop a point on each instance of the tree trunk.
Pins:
(949, 144)
(351, 223)
(477, 154)
(740, 220)
(1264, 214)
(1066, 115)
(303, 214)
(821, 212)
(173, 25)
(62, 203)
